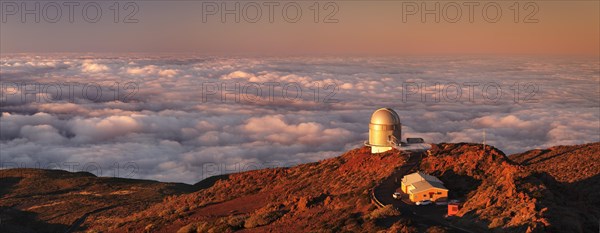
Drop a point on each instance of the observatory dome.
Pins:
(385, 116)
(384, 130)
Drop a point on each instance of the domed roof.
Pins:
(385, 116)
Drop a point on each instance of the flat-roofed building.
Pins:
(420, 186)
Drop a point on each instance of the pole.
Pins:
(484, 139)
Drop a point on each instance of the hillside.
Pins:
(490, 183)
(566, 164)
(35, 200)
(552, 190)
(571, 184)
(331, 195)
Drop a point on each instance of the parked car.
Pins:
(424, 202)
(441, 203)
(397, 195)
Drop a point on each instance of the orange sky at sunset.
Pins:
(363, 27)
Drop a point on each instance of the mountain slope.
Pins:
(487, 180)
(565, 163)
(332, 194)
(571, 181)
(551, 190)
(35, 200)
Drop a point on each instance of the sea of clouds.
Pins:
(177, 118)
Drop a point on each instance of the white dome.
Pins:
(385, 116)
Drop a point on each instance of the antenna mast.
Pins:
(484, 139)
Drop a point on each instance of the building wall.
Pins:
(379, 134)
(438, 194)
(403, 187)
(380, 149)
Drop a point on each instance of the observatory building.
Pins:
(420, 186)
(384, 130)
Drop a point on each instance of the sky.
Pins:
(177, 91)
(298, 28)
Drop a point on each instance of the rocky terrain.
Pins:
(34, 200)
(331, 195)
(568, 185)
(551, 190)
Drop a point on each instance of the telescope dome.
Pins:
(385, 130)
(385, 116)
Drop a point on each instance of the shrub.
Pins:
(166, 213)
(183, 209)
(264, 216)
(436, 229)
(262, 219)
(190, 228)
(209, 227)
(149, 228)
(237, 221)
(386, 211)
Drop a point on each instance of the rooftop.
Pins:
(424, 185)
(419, 176)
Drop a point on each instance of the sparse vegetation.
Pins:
(384, 212)
(264, 216)
(225, 224)
(329, 196)
(52, 200)
(436, 229)
(402, 226)
(237, 221)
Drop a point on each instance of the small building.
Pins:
(453, 208)
(420, 186)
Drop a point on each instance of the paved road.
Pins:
(423, 215)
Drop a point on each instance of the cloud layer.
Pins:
(185, 118)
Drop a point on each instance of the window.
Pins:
(439, 193)
(424, 195)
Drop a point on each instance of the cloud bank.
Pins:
(183, 118)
